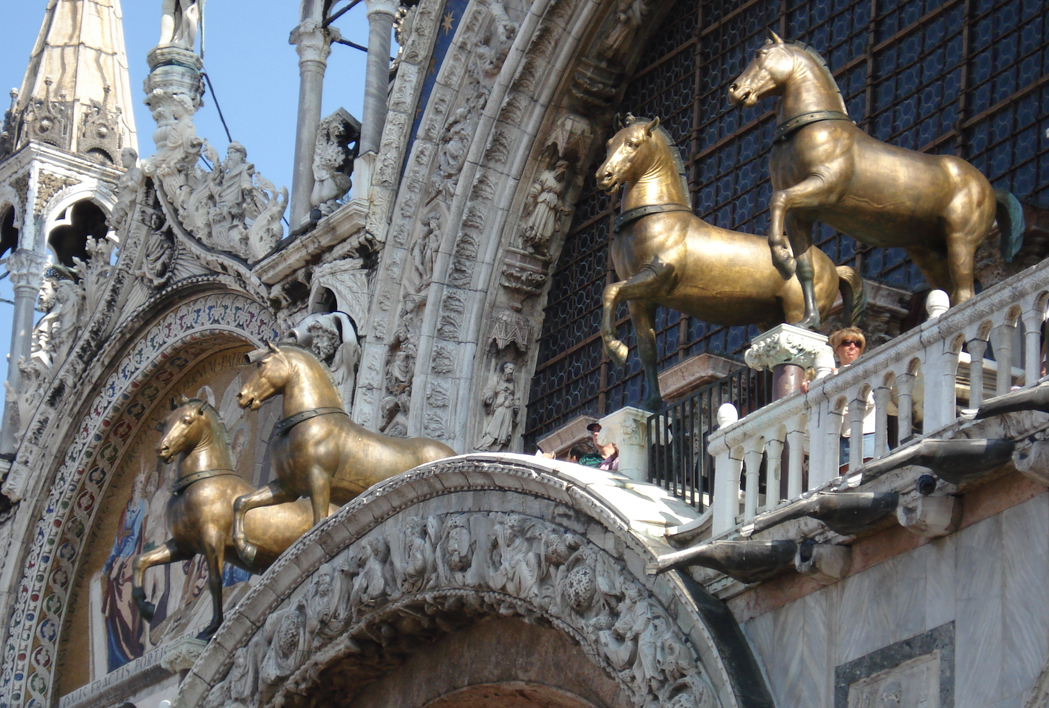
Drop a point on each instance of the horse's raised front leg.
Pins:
(799, 232)
(269, 495)
(811, 192)
(161, 555)
(652, 280)
(215, 554)
(644, 318)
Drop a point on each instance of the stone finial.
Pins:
(727, 415)
(937, 303)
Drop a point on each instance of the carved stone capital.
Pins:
(785, 344)
(312, 41)
(180, 654)
(26, 269)
(383, 7)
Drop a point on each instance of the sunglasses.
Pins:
(850, 343)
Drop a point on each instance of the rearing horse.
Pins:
(938, 208)
(666, 255)
(200, 511)
(317, 451)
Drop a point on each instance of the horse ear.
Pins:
(617, 122)
(272, 348)
(774, 38)
(202, 407)
(652, 126)
(174, 403)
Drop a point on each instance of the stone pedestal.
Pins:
(175, 70)
(627, 428)
(787, 351)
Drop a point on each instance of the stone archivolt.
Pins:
(415, 577)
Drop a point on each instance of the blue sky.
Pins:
(250, 63)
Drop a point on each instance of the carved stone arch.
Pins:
(66, 472)
(425, 557)
(80, 209)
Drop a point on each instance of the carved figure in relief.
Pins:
(317, 451)
(62, 301)
(339, 350)
(501, 406)
(414, 560)
(179, 20)
(456, 552)
(666, 255)
(938, 208)
(156, 262)
(200, 510)
(128, 187)
(333, 158)
(544, 208)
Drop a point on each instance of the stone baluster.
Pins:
(1033, 320)
(824, 432)
(905, 385)
(313, 43)
(796, 461)
(939, 365)
(753, 452)
(882, 397)
(728, 465)
(1003, 355)
(977, 349)
(857, 409)
(774, 471)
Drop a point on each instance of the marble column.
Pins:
(381, 14)
(787, 351)
(628, 429)
(26, 268)
(313, 43)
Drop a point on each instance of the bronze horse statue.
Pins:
(666, 255)
(200, 511)
(317, 451)
(938, 208)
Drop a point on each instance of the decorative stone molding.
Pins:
(407, 562)
(785, 344)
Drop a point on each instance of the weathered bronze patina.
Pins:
(200, 511)
(666, 255)
(317, 451)
(938, 208)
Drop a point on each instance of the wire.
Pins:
(211, 88)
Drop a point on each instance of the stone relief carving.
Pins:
(129, 186)
(100, 136)
(400, 368)
(45, 120)
(442, 570)
(48, 185)
(96, 272)
(544, 209)
(157, 258)
(502, 405)
(510, 327)
(333, 160)
(62, 302)
(232, 208)
(333, 339)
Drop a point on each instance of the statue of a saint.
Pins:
(340, 351)
(179, 20)
(501, 406)
(128, 187)
(544, 208)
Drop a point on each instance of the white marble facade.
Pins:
(990, 579)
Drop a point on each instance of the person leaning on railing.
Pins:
(848, 345)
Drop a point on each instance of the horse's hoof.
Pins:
(209, 631)
(247, 553)
(147, 610)
(811, 323)
(617, 352)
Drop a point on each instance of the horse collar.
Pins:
(787, 127)
(631, 215)
(292, 420)
(182, 482)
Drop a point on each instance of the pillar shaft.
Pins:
(381, 14)
(313, 44)
(26, 268)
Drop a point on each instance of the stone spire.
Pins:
(76, 94)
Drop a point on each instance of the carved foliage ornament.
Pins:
(420, 577)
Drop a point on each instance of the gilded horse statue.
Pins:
(200, 511)
(938, 208)
(666, 255)
(317, 451)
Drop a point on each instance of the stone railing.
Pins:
(792, 445)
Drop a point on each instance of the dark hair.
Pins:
(578, 451)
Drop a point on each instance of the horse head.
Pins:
(272, 373)
(184, 427)
(630, 152)
(766, 74)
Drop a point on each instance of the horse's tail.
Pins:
(1010, 216)
(853, 295)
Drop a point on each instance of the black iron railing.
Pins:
(678, 459)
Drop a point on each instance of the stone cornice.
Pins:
(306, 248)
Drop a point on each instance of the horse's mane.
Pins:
(304, 350)
(822, 64)
(222, 434)
(675, 151)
